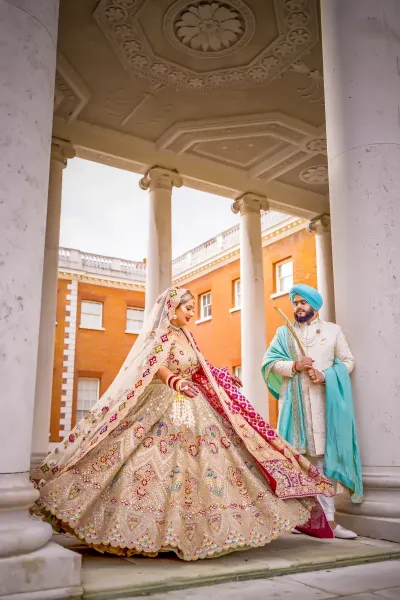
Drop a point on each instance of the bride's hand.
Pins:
(189, 389)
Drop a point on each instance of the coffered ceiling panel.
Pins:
(234, 84)
(201, 45)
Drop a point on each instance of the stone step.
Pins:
(50, 573)
(111, 578)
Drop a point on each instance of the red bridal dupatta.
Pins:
(289, 474)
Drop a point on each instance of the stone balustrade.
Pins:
(226, 241)
(75, 260)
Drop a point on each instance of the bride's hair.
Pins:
(187, 296)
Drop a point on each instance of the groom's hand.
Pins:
(304, 364)
(316, 376)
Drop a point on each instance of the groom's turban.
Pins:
(310, 295)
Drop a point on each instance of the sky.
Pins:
(105, 212)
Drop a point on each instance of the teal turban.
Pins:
(310, 295)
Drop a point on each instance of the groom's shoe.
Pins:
(343, 534)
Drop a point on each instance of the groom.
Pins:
(313, 387)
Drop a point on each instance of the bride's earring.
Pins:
(174, 318)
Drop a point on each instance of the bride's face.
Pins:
(184, 313)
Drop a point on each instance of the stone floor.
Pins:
(292, 556)
(362, 582)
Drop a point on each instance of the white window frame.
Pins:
(84, 314)
(280, 287)
(135, 330)
(83, 405)
(205, 308)
(237, 371)
(237, 295)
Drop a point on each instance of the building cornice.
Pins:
(102, 281)
(234, 253)
(231, 254)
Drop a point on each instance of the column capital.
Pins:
(320, 225)
(62, 150)
(160, 178)
(250, 203)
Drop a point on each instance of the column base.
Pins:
(51, 573)
(19, 532)
(372, 527)
(379, 515)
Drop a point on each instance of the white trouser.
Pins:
(328, 504)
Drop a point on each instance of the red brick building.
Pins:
(101, 301)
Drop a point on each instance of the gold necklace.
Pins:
(178, 330)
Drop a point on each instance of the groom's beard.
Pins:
(305, 318)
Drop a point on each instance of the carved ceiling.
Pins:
(223, 90)
(208, 45)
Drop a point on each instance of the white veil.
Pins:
(146, 356)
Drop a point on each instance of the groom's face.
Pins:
(303, 312)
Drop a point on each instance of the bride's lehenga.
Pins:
(175, 475)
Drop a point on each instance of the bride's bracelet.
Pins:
(173, 382)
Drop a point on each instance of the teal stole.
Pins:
(342, 456)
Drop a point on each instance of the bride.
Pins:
(173, 457)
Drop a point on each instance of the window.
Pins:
(205, 306)
(91, 315)
(284, 276)
(237, 293)
(238, 371)
(134, 320)
(88, 394)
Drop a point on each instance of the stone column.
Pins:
(159, 182)
(28, 41)
(362, 91)
(252, 299)
(60, 152)
(321, 226)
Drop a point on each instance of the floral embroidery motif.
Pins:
(212, 483)
(142, 478)
(74, 492)
(162, 428)
(122, 426)
(193, 450)
(176, 479)
(139, 431)
(108, 459)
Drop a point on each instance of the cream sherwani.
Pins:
(322, 341)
